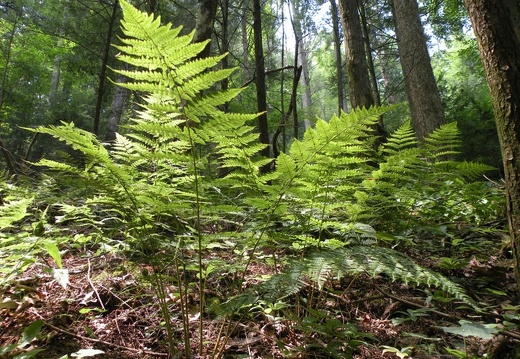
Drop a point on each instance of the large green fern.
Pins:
(154, 169)
(155, 180)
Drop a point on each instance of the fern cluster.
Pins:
(333, 181)
(154, 187)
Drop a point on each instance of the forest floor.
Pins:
(110, 305)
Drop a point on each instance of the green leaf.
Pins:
(7, 349)
(472, 329)
(30, 333)
(54, 252)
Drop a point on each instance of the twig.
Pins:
(99, 341)
(511, 334)
(94, 288)
(346, 301)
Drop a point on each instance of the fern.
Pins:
(156, 161)
(13, 211)
(322, 267)
(325, 265)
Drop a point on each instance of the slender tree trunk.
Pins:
(55, 77)
(104, 66)
(494, 27)
(204, 27)
(119, 101)
(296, 75)
(368, 50)
(304, 62)
(421, 88)
(389, 97)
(290, 110)
(225, 44)
(282, 96)
(342, 105)
(261, 92)
(359, 81)
(245, 41)
(5, 152)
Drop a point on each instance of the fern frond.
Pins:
(13, 211)
(325, 265)
(401, 139)
(444, 141)
(473, 170)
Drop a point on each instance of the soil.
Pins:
(110, 305)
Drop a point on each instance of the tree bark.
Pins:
(204, 27)
(261, 91)
(225, 45)
(304, 62)
(421, 88)
(494, 27)
(359, 81)
(342, 105)
(119, 101)
(5, 152)
(104, 66)
(368, 49)
(245, 41)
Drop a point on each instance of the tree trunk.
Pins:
(421, 88)
(245, 41)
(5, 152)
(104, 66)
(55, 77)
(204, 26)
(261, 92)
(119, 101)
(225, 45)
(304, 62)
(368, 49)
(499, 45)
(359, 82)
(342, 105)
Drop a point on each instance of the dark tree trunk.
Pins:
(361, 93)
(104, 66)
(359, 81)
(337, 51)
(204, 26)
(494, 27)
(261, 92)
(5, 152)
(421, 88)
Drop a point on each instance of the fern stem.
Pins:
(199, 237)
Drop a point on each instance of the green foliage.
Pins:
(13, 211)
(184, 165)
(21, 350)
(467, 329)
(320, 267)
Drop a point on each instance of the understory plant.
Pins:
(185, 180)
